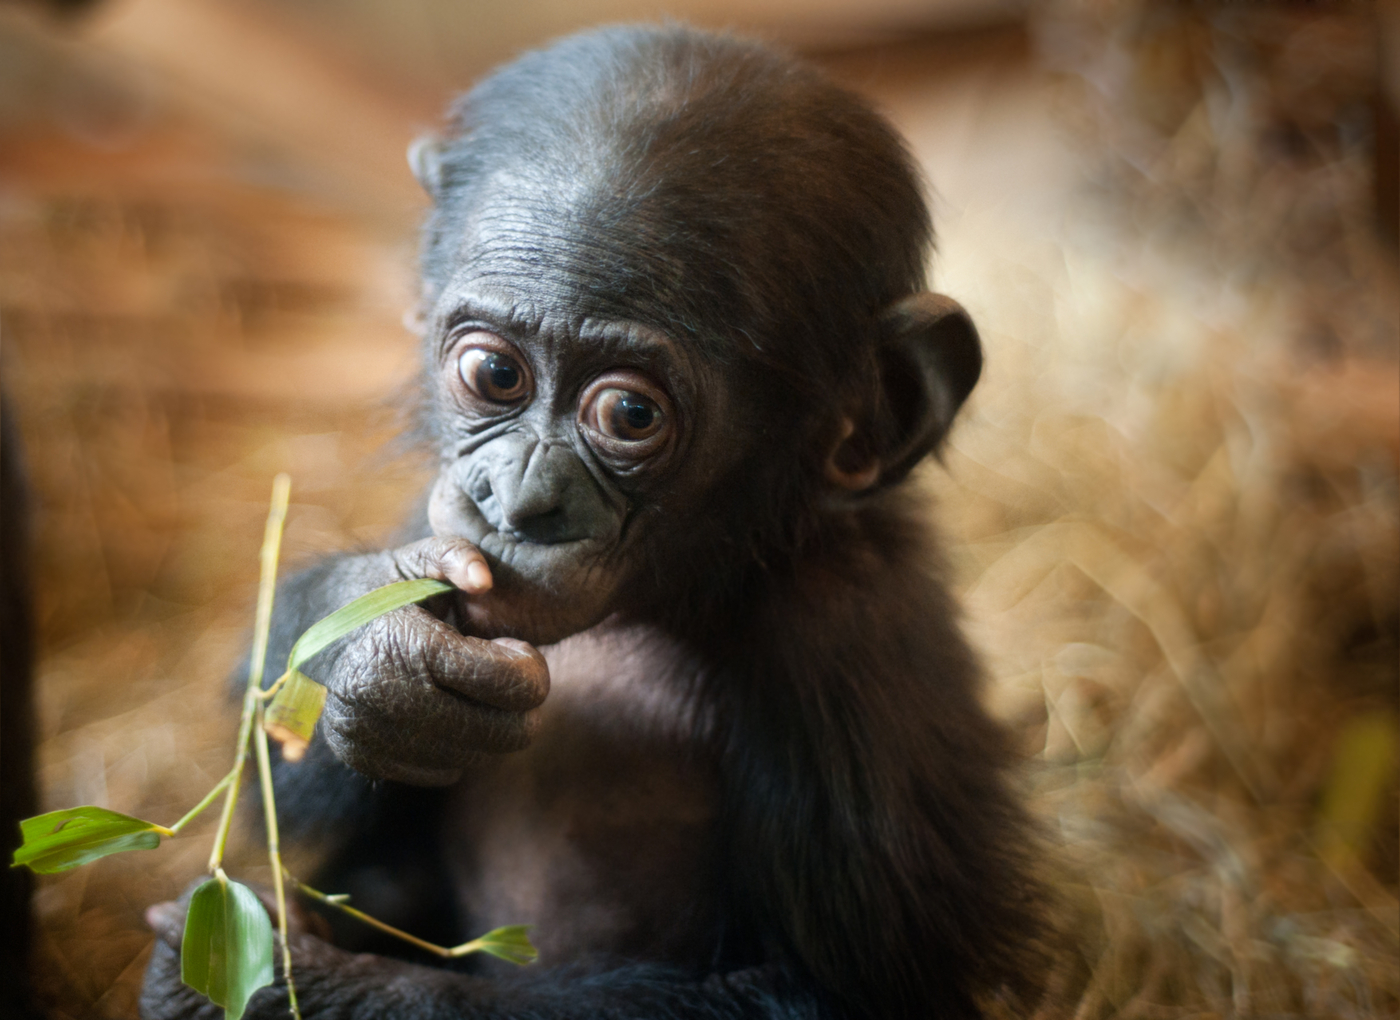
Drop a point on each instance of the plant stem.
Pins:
(193, 812)
(267, 583)
(273, 687)
(274, 855)
(389, 929)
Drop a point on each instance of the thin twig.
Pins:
(267, 583)
(274, 855)
(194, 812)
(273, 687)
(444, 951)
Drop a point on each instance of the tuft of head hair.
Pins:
(706, 184)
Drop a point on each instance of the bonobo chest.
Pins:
(602, 832)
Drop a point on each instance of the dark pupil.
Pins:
(635, 413)
(504, 376)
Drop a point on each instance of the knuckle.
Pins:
(380, 652)
(527, 684)
(537, 683)
(428, 556)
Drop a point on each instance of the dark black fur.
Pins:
(864, 856)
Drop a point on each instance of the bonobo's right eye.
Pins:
(492, 374)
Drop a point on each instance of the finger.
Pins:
(167, 919)
(426, 731)
(387, 719)
(415, 701)
(503, 673)
(454, 560)
(413, 753)
(410, 775)
(388, 715)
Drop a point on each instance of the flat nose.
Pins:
(531, 493)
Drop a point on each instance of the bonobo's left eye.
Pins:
(625, 414)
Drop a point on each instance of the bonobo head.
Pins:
(673, 313)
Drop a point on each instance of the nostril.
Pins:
(544, 528)
(530, 496)
(479, 488)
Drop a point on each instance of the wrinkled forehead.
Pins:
(584, 245)
(569, 243)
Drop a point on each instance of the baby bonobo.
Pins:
(700, 710)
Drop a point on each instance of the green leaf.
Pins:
(360, 612)
(61, 840)
(291, 718)
(227, 951)
(509, 943)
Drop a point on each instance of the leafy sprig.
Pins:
(228, 944)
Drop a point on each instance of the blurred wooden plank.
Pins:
(240, 70)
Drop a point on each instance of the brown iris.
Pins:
(493, 376)
(627, 416)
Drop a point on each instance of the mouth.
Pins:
(552, 527)
(560, 568)
(542, 591)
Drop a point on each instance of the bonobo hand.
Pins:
(413, 700)
(331, 983)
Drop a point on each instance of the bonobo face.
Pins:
(563, 440)
(675, 303)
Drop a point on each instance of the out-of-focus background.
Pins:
(1172, 505)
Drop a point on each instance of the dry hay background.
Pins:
(1172, 508)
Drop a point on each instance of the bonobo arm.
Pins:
(410, 698)
(335, 985)
(874, 827)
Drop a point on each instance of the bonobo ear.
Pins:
(929, 360)
(425, 160)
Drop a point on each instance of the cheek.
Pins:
(441, 506)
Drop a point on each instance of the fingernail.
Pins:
(478, 576)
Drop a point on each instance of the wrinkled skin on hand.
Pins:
(411, 698)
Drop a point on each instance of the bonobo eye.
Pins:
(493, 375)
(625, 414)
(628, 416)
